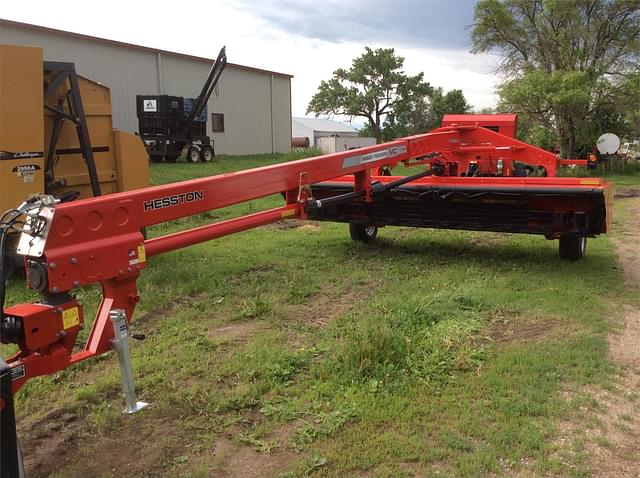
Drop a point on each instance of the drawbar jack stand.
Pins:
(120, 343)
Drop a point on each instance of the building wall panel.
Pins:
(126, 73)
(281, 100)
(252, 124)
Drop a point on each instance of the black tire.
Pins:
(171, 158)
(155, 158)
(207, 154)
(193, 154)
(363, 232)
(572, 248)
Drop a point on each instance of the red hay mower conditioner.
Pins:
(475, 176)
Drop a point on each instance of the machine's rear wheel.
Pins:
(363, 232)
(207, 154)
(193, 154)
(572, 248)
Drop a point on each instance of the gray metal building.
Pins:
(256, 103)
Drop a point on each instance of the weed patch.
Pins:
(292, 351)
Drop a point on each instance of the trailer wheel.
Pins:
(207, 154)
(572, 248)
(193, 154)
(363, 232)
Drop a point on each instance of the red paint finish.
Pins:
(178, 240)
(50, 334)
(503, 124)
(98, 240)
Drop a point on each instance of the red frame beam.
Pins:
(99, 240)
(190, 237)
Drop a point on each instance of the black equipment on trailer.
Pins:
(168, 124)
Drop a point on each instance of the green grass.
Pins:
(162, 173)
(622, 177)
(422, 365)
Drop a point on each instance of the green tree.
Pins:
(424, 114)
(564, 60)
(630, 96)
(452, 102)
(374, 87)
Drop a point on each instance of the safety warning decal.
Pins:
(375, 156)
(18, 372)
(70, 318)
(26, 172)
(150, 106)
(137, 256)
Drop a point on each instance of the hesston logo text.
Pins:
(175, 200)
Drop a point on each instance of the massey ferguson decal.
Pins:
(26, 172)
(392, 152)
(175, 200)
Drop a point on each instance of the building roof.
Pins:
(319, 124)
(137, 47)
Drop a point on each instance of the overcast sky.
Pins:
(308, 39)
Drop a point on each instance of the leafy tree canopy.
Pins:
(570, 65)
(424, 114)
(377, 89)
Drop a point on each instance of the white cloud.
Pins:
(201, 28)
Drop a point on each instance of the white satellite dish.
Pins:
(608, 143)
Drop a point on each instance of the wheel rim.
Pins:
(207, 155)
(194, 156)
(582, 244)
(370, 230)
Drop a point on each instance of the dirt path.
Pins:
(230, 457)
(62, 441)
(615, 445)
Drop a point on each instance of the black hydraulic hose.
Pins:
(12, 216)
(379, 188)
(376, 189)
(4, 227)
(2, 279)
(317, 204)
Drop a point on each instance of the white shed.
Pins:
(315, 128)
(335, 144)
